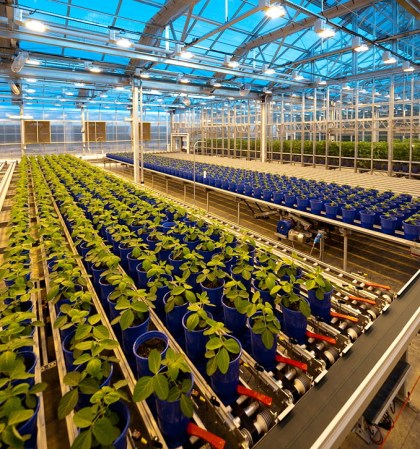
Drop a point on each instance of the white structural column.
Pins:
(391, 126)
(135, 130)
(83, 120)
(263, 140)
(141, 137)
(22, 131)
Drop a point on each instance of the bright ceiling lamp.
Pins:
(123, 42)
(92, 68)
(35, 25)
(346, 87)
(358, 45)
(407, 67)
(34, 62)
(267, 90)
(273, 11)
(31, 80)
(268, 70)
(322, 30)
(182, 79)
(297, 76)
(79, 84)
(321, 82)
(182, 52)
(215, 83)
(387, 58)
(30, 91)
(229, 63)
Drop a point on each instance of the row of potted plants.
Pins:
(97, 403)
(19, 394)
(353, 205)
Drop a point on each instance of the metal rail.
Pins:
(5, 183)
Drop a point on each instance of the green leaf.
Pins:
(267, 338)
(68, 403)
(223, 360)
(187, 407)
(83, 418)
(211, 366)
(104, 432)
(83, 440)
(232, 345)
(143, 388)
(154, 361)
(161, 386)
(214, 343)
(53, 292)
(304, 308)
(100, 332)
(94, 367)
(72, 379)
(82, 331)
(192, 321)
(127, 319)
(18, 416)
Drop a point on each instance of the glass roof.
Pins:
(81, 35)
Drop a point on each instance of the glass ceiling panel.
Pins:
(108, 6)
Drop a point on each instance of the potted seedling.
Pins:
(320, 290)
(212, 280)
(223, 354)
(159, 276)
(264, 327)
(295, 310)
(235, 306)
(104, 421)
(171, 382)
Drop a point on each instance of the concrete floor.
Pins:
(406, 433)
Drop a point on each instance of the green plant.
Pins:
(318, 282)
(180, 293)
(134, 304)
(98, 422)
(193, 264)
(170, 381)
(292, 300)
(219, 347)
(212, 276)
(101, 257)
(17, 399)
(198, 316)
(237, 294)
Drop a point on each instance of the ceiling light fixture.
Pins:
(244, 90)
(297, 76)
(19, 61)
(268, 70)
(79, 84)
(33, 62)
(35, 25)
(358, 45)
(123, 42)
(30, 91)
(267, 90)
(215, 83)
(273, 11)
(182, 79)
(228, 62)
(92, 68)
(407, 67)
(387, 58)
(322, 30)
(31, 80)
(321, 82)
(145, 75)
(346, 87)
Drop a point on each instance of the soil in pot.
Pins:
(154, 343)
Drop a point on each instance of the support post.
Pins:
(239, 210)
(263, 137)
(391, 126)
(141, 137)
(83, 120)
(22, 131)
(345, 248)
(135, 131)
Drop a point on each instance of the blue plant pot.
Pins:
(320, 308)
(289, 200)
(105, 289)
(411, 231)
(294, 324)
(84, 399)
(207, 255)
(123, 252)
(234, 321)
(224, 385)
(68, 354)
(215, 294)
(142, 363)
(141, 277)
(388, 225)
(30, 428)
(348, 215)
(301, 203)
(264, 294)
(316, 206)
(367, 219)
(195, 341)
(130, 335)
(160, 294)
(96, 273)
(167, 225)
(331, 211)
(266, 196)
(124, 414)
(152, 243)
(132, 264)
(191, 245)
(265, 357)
(174, 318)
(172, 423)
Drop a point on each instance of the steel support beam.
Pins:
(135, 131)
(263, 130)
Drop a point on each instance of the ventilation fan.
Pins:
(19, 61)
